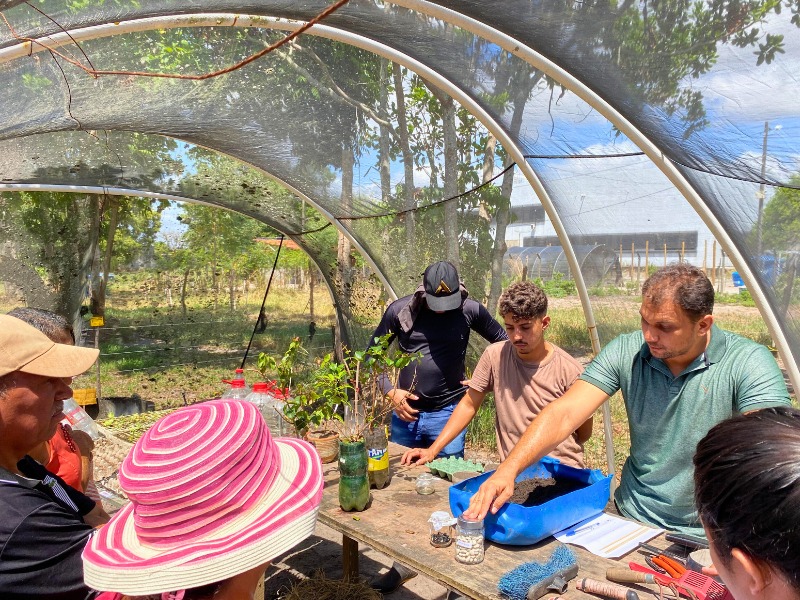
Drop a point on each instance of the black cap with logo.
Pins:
(442, 292)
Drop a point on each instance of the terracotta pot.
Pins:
(326, 443)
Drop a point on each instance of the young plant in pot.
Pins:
(304, 407)
(363, 447)
(278, 393)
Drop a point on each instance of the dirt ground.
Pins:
(323, 551)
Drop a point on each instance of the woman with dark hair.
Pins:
(747, 492)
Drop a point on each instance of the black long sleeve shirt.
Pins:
(442, 339)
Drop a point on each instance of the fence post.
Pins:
(632, 259)
(646, 257)
(714, 262)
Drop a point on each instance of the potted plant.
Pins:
(365, 374)
(303, 407)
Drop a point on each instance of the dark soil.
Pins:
(536, 491)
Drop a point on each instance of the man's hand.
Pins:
(402, 409)
(494, 492)
(420, 455)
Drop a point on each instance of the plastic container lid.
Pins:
(237, 383)
(261, 386)
(467, 524)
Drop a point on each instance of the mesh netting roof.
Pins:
(427, 130)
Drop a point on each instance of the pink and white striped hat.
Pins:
(212, 495)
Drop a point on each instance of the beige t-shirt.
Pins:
(522, 390)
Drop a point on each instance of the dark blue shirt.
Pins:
(442, 339)
(42, 536)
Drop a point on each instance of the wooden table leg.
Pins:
(349, 558)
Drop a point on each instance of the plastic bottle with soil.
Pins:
(78, 418)
(378, 457)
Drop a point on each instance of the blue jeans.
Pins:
(424, 431)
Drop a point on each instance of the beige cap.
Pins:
(25, 348)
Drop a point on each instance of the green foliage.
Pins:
(132, 427)
(481, 429)
(284, 366)
(781, 219)
(741, 298)
(557, 287)
(365, 373)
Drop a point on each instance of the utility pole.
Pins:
(761, 193)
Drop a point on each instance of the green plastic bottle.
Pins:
(353, 480)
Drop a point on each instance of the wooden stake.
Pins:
(646, 257)
(683, 250)
(705, 257)
(665, 254)
(632, 257)
(714, 262)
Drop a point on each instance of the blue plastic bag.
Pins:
(519, 525)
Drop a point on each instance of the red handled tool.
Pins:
(689, 583)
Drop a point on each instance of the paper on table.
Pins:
(607, 536)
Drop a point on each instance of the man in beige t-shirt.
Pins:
(525, 373)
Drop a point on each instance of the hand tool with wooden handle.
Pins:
(605, 589)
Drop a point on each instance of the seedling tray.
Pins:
(445, 467)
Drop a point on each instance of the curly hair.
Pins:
(524, 300)
(684, 285)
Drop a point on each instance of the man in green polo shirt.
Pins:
(679, 376)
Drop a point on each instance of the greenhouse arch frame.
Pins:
(462, 50)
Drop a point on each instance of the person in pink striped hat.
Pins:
(213, 499)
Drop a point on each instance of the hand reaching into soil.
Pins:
(493, 494)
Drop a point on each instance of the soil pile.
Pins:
(536, 491)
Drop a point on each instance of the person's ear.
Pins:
(704, 324)
(756, 574)
(545, 321)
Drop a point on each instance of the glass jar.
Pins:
(425, 484)
(441, 527)
(469, 540)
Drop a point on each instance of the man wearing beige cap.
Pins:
(44, 527)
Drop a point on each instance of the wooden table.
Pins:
(396, 524)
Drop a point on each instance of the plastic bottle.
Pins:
(277, 424)
(239, 389)
(77, 418)
(269, 406)
(378, 453)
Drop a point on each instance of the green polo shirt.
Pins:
(668, 415)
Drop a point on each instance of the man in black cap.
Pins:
(435, 321)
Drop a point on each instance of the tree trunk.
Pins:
(344, 247)
(232, 289)
(503, 215)
(99, 295)
(183, 293)
(408, 163)
(451, 230)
